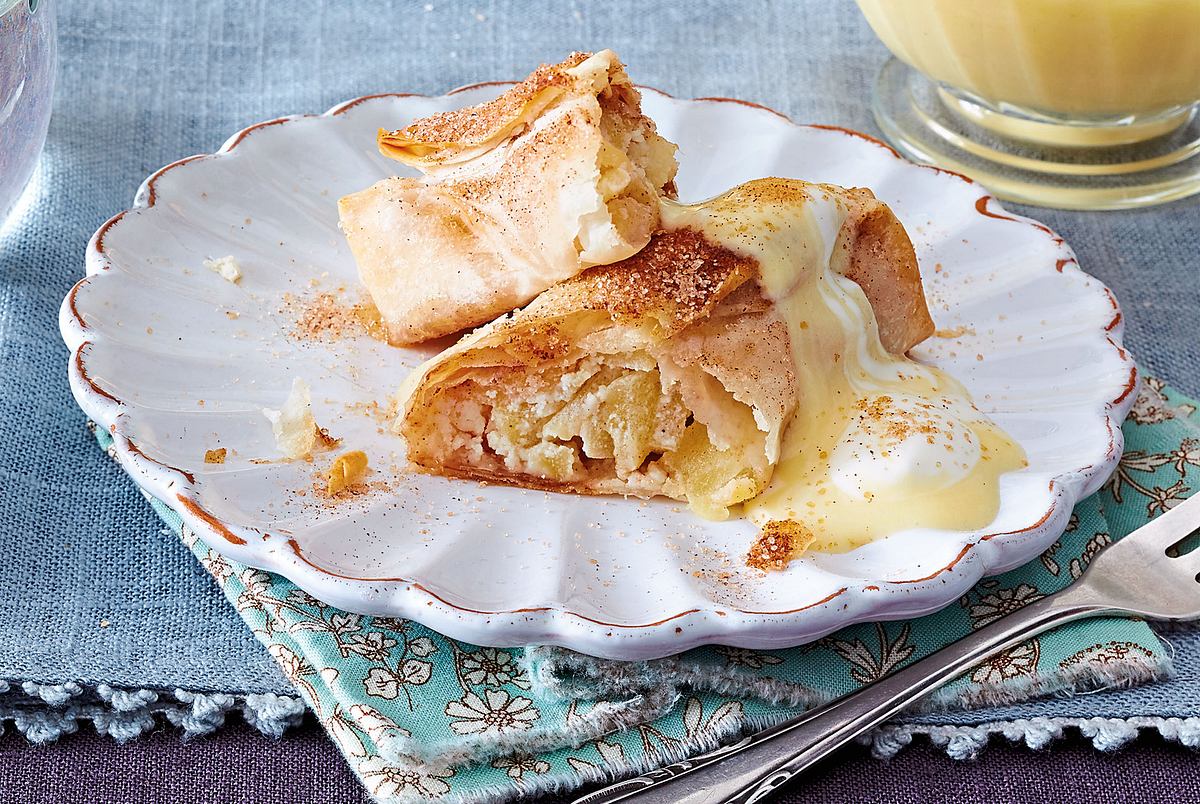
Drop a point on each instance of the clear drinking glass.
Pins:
(1083, 104)
(28, 54)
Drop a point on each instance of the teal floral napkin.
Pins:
(420, 716)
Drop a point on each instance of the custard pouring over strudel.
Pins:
(751, 355)
(561, 172)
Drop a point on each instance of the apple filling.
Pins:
(605, 424)
(634, 167)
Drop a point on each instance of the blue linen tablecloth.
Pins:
(94, 592)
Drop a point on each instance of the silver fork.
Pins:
(1135, 576)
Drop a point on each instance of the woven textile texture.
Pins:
(306, 769)
(94, 591)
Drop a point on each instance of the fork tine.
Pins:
(1169, 528)
(1190, 564)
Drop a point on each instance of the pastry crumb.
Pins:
(375, 411)
(347, 470)
(228, 267)
(296, 431)
(215, 455)
(954, 332)
(780, 541)
(325, 440)
(321, 495)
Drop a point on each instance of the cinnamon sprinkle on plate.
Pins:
(324, 317)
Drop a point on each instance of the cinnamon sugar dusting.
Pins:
(678, 278)
(324, 317)
(475, 125)
(780, 541)
(383, 414)
(882, 417)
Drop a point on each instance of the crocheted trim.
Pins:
(967, 742)
(45, 712)
(959, 742)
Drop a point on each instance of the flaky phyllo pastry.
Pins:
(561, 172)
(674, 371)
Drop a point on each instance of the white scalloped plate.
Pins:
(157, 362)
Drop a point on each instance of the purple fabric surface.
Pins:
(241, 765)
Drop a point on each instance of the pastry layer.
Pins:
(561, 172)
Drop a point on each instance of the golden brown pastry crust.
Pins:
(559, 173)
(676, 280)
(458, 134)
(881, 260)
(692, 304)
